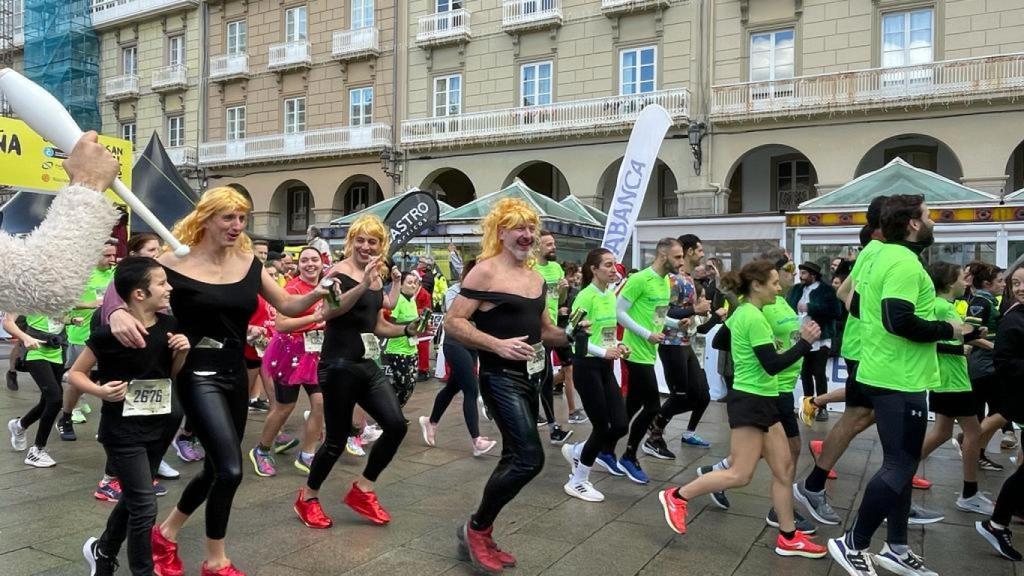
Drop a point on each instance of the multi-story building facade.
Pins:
(151, 79)
(300, 107)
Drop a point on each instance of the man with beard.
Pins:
(815, 300)
(898, 364)
(555, 287)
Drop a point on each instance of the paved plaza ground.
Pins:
(46, 515)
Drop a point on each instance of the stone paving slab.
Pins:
(45, 515)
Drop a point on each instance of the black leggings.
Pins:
(345, 383)
(462, 377)
(642, 397)
(135, 513)
(813, 373)
(547, 390)
(602, 399)
(216, 406)
(47, 376)
(901, 419)
(512, 399)
(687, 386)
(1011, 498)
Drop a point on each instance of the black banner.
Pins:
(406, 219)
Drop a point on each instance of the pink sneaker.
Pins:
(428, 429)
(482, 445)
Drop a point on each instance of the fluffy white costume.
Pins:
(45, 272)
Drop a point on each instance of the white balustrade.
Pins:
(355, 43)
(290, 55)
(229, 66)
(111, 12)
(519, 14)
(325, 142)
(170, 78)
(444, 27)
(121, 87)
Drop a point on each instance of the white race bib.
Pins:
(147, 398)
(314, 341)
(608, 340)
(371, 346)
(536, 364)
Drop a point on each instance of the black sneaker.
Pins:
(99, 565)
(66, 429)
(558, 435)
(986, 464)
(423, 376)
(822, 415)
(1001, 540)
(657, 448)
(259, 405)
(802, 524)
(718, 498)
(12, 380)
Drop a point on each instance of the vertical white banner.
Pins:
(634, 174)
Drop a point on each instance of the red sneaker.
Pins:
(675, 510)
(475, 546)
(921, 483)
(311, 513)
(800, 545)
(228, 570)
(165, 555)
(365, 504)
(816, 446)
(507, 560)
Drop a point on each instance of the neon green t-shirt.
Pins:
(600, 307)
(551, 272)
(889, 361)
(98, 283)
(648, 293)
(750, 329)
(404, 312)
(952, 368)
(785, 324)
(851, 334)
(48, 353)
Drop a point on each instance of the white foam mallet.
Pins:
(44, 114)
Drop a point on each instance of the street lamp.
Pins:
(695, 133)
(391, 164)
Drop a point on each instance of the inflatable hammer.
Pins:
(44, 114)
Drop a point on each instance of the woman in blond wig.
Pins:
(349, 373)
(215, 290)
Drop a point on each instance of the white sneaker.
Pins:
(584, 491)
(18, 440)
(482, 445)
(429, 430)
(353, 447)
(569, 453)
(39, 458)
(978, 504)
(909, 564)
(371, 432)
(165, 471)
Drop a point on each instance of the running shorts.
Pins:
(952, 404)
(787, 415)
(855, 395)
(745, 409)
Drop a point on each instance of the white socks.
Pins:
(723, 465)
(580, 475)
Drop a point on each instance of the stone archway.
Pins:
(660, 198)
(293, 201)
(451, 186)
(771, 178)
(919, 150)
(356, 193)
(541, 177)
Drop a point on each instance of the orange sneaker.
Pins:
(816, 446)
(675, 510)
(311, 513)
(507, 560)
(921, 483)
(165, 555)
(800, 545)
(366, 504)
(228, 570)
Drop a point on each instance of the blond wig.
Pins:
(190, 229)
(507, 214)
(369, 225)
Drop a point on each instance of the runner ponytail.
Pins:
(592, 261)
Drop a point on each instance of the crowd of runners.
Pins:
(180, 350)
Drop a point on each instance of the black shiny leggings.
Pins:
(462, 361)
(687, 386)
(213, 389)
(345, 383)
(642, 401)
(511, 398)
(602, 399)
(47, 376)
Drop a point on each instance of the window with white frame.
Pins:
(535, 84)
(362, 14)
(237, 37)
(294, 115)
(358, 198)
(175, 131)
(176, 50)
(128, 132)
(295, 24)
(448, 5)
(908, 38)
(235, 122)
(298, 210)
(130, 60)
(771, 56)
(448, 95)
(637, 70)
(360, 106)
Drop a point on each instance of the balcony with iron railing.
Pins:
(106, 13)
(519, 15)
(122, 87)
(170, 78)
(353, 44)
(620, 7)
(290, 55)
(181, 156)
(573, 118)
(229, 66)
(951, 81)
(443, 28)
(322, 143)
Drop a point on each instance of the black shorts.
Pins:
(251, 364)
(952, 404)
(564, 356)
(746, 409)
(787, 415)
(290, 394)
(987, 390)
(854, 390)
